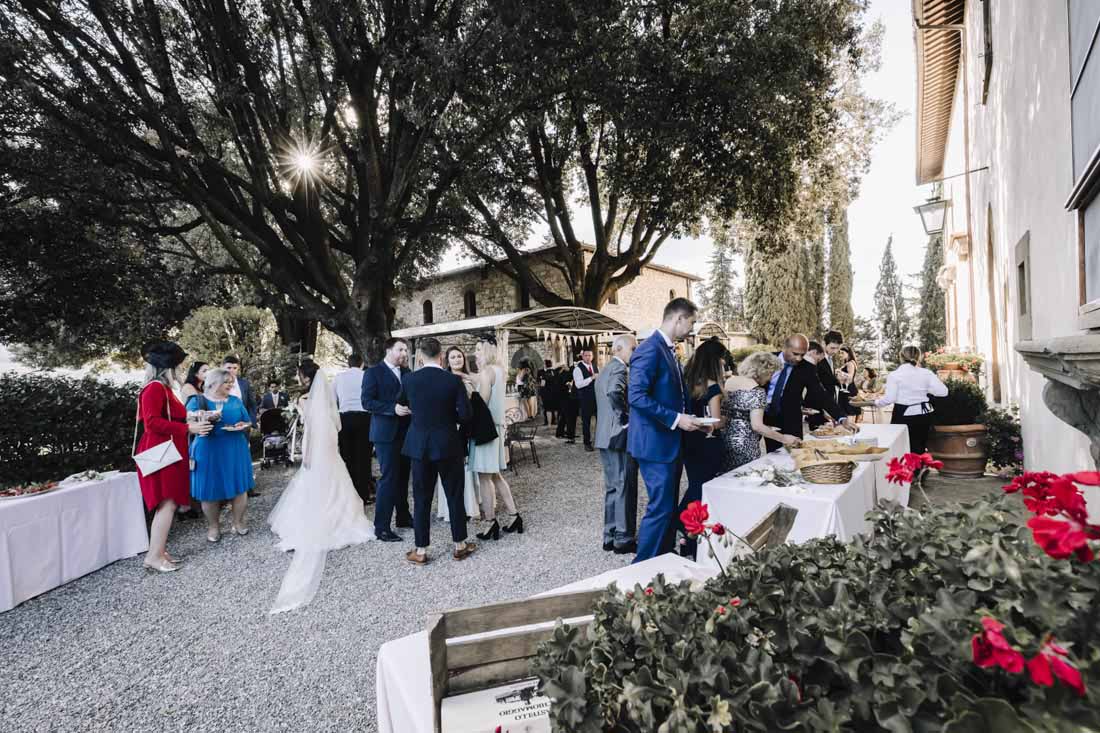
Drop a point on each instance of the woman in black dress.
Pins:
(703, 451)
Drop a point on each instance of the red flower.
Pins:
(721, 610)
(991, 649)
(718, 529)
(1088, 478)
(735, 602)
(898, 472)
(694, 518)
(630, 594)
(649, 591)
(1061, 538)
(1048, 660)
(797, 686)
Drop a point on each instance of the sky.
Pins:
(888, 194)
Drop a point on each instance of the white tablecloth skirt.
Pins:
(896, 439)
(49, 540)
(404, 688)
(823, 509)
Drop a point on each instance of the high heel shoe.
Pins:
(516, 526)
(160, 567)
(493, 533)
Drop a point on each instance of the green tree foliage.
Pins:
(720, 293)
(841, 315)
(654, 115)
(890, 311)
(814, 266)
(932, 331)
(210, 333)
(777, 301)
(864, 339)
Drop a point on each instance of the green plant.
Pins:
(210, 334)
(1006, 447)
(882, 633)
(741, 352)
(56, 426)
(964, 404)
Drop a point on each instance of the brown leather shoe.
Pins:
(415, 557)
(465, 552)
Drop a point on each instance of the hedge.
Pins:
(56, 426)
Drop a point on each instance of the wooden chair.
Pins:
(467, 665)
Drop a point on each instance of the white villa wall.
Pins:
(1022, 133)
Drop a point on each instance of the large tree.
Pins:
(841, 315)
(308, 138)
(890, 310)
(932, 331)
(675, 110)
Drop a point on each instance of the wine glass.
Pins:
(706, 411)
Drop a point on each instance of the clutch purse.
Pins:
(151, 460)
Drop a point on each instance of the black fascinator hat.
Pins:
(163, 354)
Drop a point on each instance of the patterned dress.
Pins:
(742, 443)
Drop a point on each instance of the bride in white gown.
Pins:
(320, 510)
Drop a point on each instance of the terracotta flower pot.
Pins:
(956, 373)
(964, 449)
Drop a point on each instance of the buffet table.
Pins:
(895, 438)
(51, 539)
(403, 680)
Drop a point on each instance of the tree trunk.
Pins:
(297, 331)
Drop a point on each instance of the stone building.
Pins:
(480, 290)
(1009, 120)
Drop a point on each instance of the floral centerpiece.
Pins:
(953, 618)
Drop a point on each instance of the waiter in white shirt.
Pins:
(908, 389)
(584, 374)
(355, 445)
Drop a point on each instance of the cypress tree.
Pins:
(893, 321)
(719, 293)
(932, 333)
(776, 300)
(841, 316)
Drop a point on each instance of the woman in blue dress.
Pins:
(703, 451)
(221, 463)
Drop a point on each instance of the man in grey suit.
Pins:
(620, 470)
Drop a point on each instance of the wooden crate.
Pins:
(470, 664)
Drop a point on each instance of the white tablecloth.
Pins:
(823, 509)
(49, 540)
(404, 689)
(896, 439)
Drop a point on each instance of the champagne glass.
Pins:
(706, 411)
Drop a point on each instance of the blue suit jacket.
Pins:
(656, 396)
(248, 398)
(439, 403)
(380, 391)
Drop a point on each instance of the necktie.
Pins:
(777, 394)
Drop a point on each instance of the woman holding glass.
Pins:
(488, 460)
(455, 360)
(221, 463)
(703, 377)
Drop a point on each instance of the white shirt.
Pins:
(396, 370)
(235, 390)
(348, 385)
(579, 379)
(911, 385)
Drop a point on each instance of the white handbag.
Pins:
(151, 460)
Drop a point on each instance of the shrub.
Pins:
(56, 426)
(210, 334)
(741, 352)
(972, 363)
(893, 631)
(1006, 447)
(964, 404)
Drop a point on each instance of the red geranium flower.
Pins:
(649, 591)
(721, 610)
(991, 649)
(694, 518)
(735, 602)
(898, 472)
(1088, 478)
(1061, 538)
(718, 529)
(1050, 660)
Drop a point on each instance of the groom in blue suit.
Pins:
(658, 413)
(388, 425)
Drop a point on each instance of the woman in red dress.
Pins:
(164, 418)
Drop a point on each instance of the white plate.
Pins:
(231, 429)
(709, 420)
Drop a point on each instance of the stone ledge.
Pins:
(1071, 365)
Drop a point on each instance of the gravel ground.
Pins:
(125, 650)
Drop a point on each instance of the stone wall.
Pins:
(638, 305)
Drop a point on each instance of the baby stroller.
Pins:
(276, 448)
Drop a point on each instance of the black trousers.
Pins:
(393, 487)
(567, 419)
(357, 451)
(588, 411)
(424, 473)
(919, 427)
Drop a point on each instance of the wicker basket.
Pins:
(833, 472)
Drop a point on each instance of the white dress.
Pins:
(320, 509)
(469, 497)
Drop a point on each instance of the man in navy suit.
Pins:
(434, 444)
(388, 424)
(658, 413)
